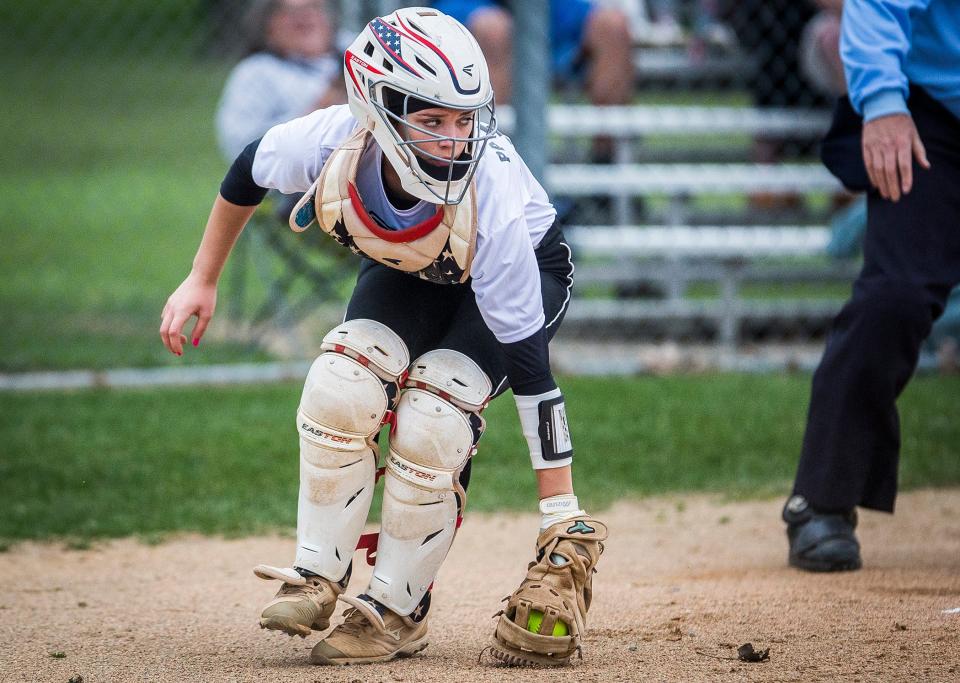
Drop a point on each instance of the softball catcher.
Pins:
(464, 272)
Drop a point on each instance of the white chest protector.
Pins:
(440, 249)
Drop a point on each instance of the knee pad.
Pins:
(348, 394)
(438, 426)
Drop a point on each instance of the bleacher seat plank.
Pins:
(639, 120)
(605, 310)
(699, 242)
(578, 180)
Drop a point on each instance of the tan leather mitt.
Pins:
(559, 585)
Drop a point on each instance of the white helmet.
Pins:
(412, 59)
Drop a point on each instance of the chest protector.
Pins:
(440, 249)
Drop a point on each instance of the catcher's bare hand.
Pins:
(890, 143)
(192, 298)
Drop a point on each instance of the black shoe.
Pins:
(821, 541)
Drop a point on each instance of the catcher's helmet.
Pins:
(416, 58)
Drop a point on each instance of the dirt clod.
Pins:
(746, 653)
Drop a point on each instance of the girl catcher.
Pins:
(463, 271)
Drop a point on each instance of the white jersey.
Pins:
(513, 210)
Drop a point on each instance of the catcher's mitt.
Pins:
(559, 584)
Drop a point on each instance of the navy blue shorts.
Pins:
(429, 316)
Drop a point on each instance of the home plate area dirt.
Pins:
(684, 582)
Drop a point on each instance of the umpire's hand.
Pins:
(889, 145)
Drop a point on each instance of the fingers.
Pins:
(897, 163)
(905, 166)
(166, 319)
(170, 330)
(884, 166)
(869, 161)
(919, 151)
(202, 321)
(890, 179)
(877, 168)
(890, 144)
(175, 337)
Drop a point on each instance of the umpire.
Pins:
(902, 65)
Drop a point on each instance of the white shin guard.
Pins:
(347, 396)
(438, 425)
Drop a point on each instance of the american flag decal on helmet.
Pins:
(389, 38)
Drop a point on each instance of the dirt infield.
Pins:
(683, 582)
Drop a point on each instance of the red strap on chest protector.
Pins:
(397, 236)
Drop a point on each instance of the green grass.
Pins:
(111, 171)
(114, 463)
(72, 29)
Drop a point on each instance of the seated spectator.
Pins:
(583, 35)
(694, 23)
(819, 52)
(292, 68)
(581, 32)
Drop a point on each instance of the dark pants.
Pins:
(430, 316)
(911, 262)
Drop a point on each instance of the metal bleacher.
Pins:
(639, 273)
(568, 120)
(629, 254)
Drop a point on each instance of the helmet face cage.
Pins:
(450, 169)
(418, 58)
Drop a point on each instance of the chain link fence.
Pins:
(702, 219)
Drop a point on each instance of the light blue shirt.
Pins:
(888, 44)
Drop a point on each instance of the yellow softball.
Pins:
(536, 618)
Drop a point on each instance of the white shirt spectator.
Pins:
(265, 89)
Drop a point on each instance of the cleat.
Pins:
(302, 605)
(361, 639)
